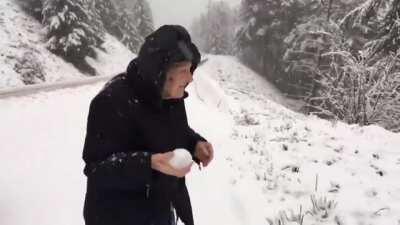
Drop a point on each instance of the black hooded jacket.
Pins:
(128, 121)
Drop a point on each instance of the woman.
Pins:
(133, 125)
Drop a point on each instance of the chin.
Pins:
(179, 95)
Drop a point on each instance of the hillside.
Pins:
(23, 52)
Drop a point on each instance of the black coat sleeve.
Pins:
(193, 136)
(110, 162)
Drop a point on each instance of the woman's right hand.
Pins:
(160, 162)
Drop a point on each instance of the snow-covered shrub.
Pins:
(322, 212)
(285, 218)
(73, 30)
(338, 84)
(359, 90)
(245, 119)
(322, 209)
(30, 68)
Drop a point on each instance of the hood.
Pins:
(165, 46)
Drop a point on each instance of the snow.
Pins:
(114, 60)
(262, 31)
(272, 165)
(55, 22)
(21, 34)
(181, 158)
(253, 21)
(269, 161)
(282, 153)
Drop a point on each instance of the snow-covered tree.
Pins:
(107, 13)
(129, 35)
(143, 17)
(265, 24)
(337, 9)
(361, 24)
(303, 58)
(388, 40)
(119, 23)
(30, 67)
(360, 16)
(72, 30)
(32, 7)
(214, 30)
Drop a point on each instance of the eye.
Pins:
(183, 70)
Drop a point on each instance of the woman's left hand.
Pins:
(204, 151)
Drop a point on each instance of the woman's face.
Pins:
(177, 79)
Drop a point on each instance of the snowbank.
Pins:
(324, 171)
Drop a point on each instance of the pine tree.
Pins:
(118, 20)
(72, 30)
(304, 61)
(266, 23)
(106, 12)
(360, 15)
(129, 35)
(389, 37)
(214, 30)
(361, 24)
(335, 10)
(143, 17)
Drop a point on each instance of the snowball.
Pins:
(181, 159)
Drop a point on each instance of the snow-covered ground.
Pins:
(270, 162)
(23, 48)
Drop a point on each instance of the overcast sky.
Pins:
(179, 11)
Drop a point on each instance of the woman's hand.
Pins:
(160, 162)
(204, 151)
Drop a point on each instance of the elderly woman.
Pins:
(133, 125)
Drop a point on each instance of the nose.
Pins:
(190, 77)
